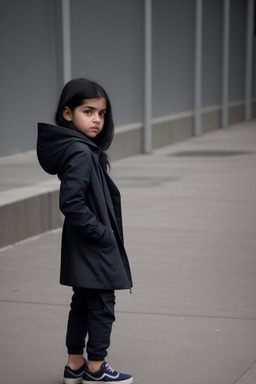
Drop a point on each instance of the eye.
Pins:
(87, 112)
(102, 114)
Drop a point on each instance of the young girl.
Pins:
(93, 257)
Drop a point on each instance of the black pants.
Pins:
(92, 315)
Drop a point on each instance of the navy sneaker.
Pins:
(73, 376)
(106, 375)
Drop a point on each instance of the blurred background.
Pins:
(173, 69)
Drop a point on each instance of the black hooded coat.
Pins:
(92, 253)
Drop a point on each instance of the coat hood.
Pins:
(53, 142)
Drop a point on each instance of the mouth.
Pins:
(95, 129)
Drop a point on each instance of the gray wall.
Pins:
(237, 50)
(173, 56)
(28, 71)
(107, 44)
(212, 53)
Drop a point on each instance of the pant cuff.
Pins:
(96, 357)
(75, 351)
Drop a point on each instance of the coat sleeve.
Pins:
(75, 180)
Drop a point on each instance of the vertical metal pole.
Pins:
(66, 40)
(198, 68)
(147, 140)
(249, 60)
(225, 64)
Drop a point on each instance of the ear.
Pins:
(67, 113)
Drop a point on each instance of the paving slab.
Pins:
(190, 230)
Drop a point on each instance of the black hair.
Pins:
(73, 95)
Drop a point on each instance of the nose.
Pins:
(96, 118)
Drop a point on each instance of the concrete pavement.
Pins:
(189, 215)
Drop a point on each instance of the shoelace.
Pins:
(109, 368)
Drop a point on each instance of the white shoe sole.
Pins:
(128, 381)
(73, 381)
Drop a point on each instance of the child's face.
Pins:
(89, 117)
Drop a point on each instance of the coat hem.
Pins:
(97, 286)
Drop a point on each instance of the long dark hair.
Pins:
(73, 94)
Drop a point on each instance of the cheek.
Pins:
(82, 119)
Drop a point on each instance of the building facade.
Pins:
(172, 69)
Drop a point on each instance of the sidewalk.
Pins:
(189, 215)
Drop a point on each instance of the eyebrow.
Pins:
(87, 106)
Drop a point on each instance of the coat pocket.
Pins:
(106, 239)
